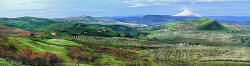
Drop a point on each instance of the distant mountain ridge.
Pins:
(153, 19)
(94, 20)
(165, 19)
(132, 21)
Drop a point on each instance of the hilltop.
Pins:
(27, 23)
(201, 24)
(232, 20)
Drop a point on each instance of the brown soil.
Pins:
(14, 31)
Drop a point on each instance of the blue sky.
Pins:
(67, 8)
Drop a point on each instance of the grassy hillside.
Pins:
(71, 28)
(27, 23)
(196, 32)
(201, 24)
(90, 30)
(63, 52)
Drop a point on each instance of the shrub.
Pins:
(27, 56)
(50, 58)
(77, 48)
(7, 51)
(47, 36)
(107, 60)
(144, 37)
(80, 56)
(3, 38)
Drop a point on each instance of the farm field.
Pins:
(117, 41)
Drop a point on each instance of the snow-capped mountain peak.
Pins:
(188, 12)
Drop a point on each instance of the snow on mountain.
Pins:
(187, 12)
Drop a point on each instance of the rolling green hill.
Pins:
(201, 24)
(54, 52)
(90, 30)
(27, 23)
(199, 32)
(72, 28)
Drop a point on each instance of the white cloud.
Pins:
(137, 3)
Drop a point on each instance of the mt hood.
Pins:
(187, 12)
